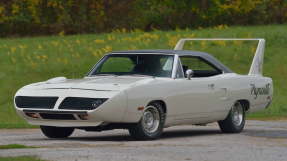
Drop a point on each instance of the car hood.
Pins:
(100, 83)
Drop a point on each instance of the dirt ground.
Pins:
(260, 141)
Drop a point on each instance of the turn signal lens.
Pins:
(140, 108)
(83, 116)
(33, 115)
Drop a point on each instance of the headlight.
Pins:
(35, 102)
(79, 103)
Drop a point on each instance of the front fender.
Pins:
(113, 110)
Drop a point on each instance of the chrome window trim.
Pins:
(174, 68)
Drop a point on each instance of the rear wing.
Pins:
(257, 63)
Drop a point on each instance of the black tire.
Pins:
(229, 125)
(56, 132)
(138, 131)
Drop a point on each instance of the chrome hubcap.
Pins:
(150, 119)
(237, 114)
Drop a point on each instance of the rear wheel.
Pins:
(151, 124)
(56, 132)
(235, 121)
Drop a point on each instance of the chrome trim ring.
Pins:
(150, 119)
(237, 114)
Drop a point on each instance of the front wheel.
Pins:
(151, 124)
(235, 121)
(56, 132)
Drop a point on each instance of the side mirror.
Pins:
(189, 73)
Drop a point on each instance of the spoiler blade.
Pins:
(257, 63)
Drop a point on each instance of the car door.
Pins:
(198, 99)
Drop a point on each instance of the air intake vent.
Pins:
(35, 102)
(57, 116)
(78, 103)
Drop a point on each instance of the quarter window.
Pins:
(200, 67)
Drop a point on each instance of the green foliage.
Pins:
(171, 14)
(38, 17)
(21, 158)
(44, 17)
(29, 60)
(15, 146)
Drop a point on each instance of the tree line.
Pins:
(45, 17)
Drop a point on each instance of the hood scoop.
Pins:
(96, 84)
(108, 84)
(56, 80)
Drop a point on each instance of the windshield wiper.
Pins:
(105, 75)
(141, 75)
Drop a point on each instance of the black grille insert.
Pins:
(79, 103)
(35, 102)
(57, 116)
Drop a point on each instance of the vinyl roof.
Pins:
(178, 52)
(203, 55)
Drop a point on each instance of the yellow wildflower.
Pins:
(203, 44)
(220, 42)
(220, 27)
(253, 49)
(173, 40)
(111, 37)
(98, 41)
(55, 43)
(62, 33)
(237, 43)
(13, 49)
(107, 48)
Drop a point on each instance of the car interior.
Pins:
(199, 66)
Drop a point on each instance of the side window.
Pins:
(200, 67)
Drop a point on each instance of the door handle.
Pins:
(211, 86)
(224, 95)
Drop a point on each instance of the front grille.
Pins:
(78, 103)
(57, 116)
(35, 102)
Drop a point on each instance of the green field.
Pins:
(21, 158)
(28, 60)
(15, 146)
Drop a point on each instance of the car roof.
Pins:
(202, 55)
(178, 52)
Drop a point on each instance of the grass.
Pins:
(15, 146)
(21, 158)
(28, 60)
(16, 125)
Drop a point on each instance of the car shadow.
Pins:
(165, 135)
(281, 134)
(190, 133)
(170, 134)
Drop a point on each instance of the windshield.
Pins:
(135, 64)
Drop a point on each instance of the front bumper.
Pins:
(57, 119)
(74, 118)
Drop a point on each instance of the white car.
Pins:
(145, 91)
